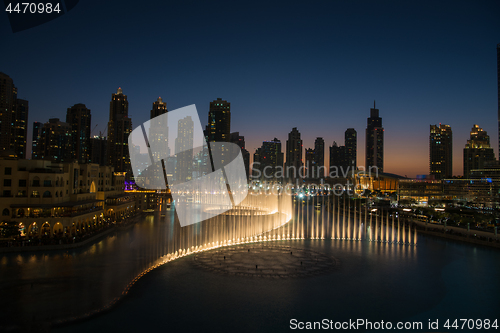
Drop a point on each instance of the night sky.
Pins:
(317, 66)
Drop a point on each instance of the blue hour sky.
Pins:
(317, 66)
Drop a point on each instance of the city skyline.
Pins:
(317, 68)
(360, 154)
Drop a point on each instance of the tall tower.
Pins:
(477, 151)
(351, 147)
(238, 139)
(78, 117)
(119, 128)
(37, 134)
(271, 159)
(374, 141)
(158, 132)
(219, 121)
(184, 149)
(319, 159)
(293, 154)
(55, 142)
(441, 151)
(13, 119)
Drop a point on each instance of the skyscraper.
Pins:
(338, 164)
(238, 139)
(441, 151)
(158, 132)
(477, 151)
(293, 154)
(98, 153)
(271, 159)
(13, 119)
(78, 117)
(374, 141)
(184, 149)
(119, 128)
(351, 147)
(319, 159)
(310, 163)
(219, 121)
(37, 133)
(55, 142)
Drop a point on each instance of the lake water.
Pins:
(437, 279)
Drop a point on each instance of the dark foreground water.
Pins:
(438, 279)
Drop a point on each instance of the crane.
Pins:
(93, 129)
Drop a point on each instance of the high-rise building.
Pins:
(351, 147)
(219, 121)
(78, 117)
(158, 132)
(119, 128)
(37, 134)
(184, 149)
(441, 151)
(338, 162)
(293, 154)
(238, 139)
(271, 160)
(256, 166)
(477, 151)
(98, 145)
(310, 163)
(13, 119)
(374, 141)
(319, 159)
(55, 142)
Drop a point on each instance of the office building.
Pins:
(477, 151)
(79, 119)
(119, 128)
(219, 121)
(293, 155)
(374, 142)
(441, 151)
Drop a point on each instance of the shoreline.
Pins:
(129, 223)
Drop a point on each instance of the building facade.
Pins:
(219, 121)
(477, 151)
(13, 119)
(79, 119)
(293, 154)
(65, 199)
(119, 129)
(374, 141)
(441, 151)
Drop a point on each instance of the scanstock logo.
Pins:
(205, 178)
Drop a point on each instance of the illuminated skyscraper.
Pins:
(55, 142)
(119, 128)
(293, 154)
(271, 159)
(37, 133)
(219, 121)
(318, 170)
(158, 132)
(13, 119)
(441, 151)
(78, 117)
(184, 149)
(351, 147)
(477, 151)
(374, 141)
(238, 139)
